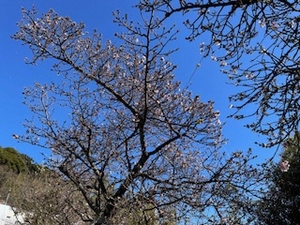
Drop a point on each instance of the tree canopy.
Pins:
(123, 131)
(257, 45)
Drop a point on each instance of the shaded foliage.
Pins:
(282, 203)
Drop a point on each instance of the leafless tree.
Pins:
(257, 44)
(122, 129)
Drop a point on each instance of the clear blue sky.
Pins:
(208, 81)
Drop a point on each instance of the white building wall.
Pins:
(8, 216)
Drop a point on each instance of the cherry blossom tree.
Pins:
(256, 43)
(123, 131)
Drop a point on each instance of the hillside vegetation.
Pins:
(13, 165)
(16, 162)
(36, 189)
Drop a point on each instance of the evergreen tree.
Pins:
(16, 161)
(282, 203)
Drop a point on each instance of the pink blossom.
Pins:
(262, 23)
(284, 166)
(274, 26)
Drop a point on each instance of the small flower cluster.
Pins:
(274, 25)
(284, 166)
